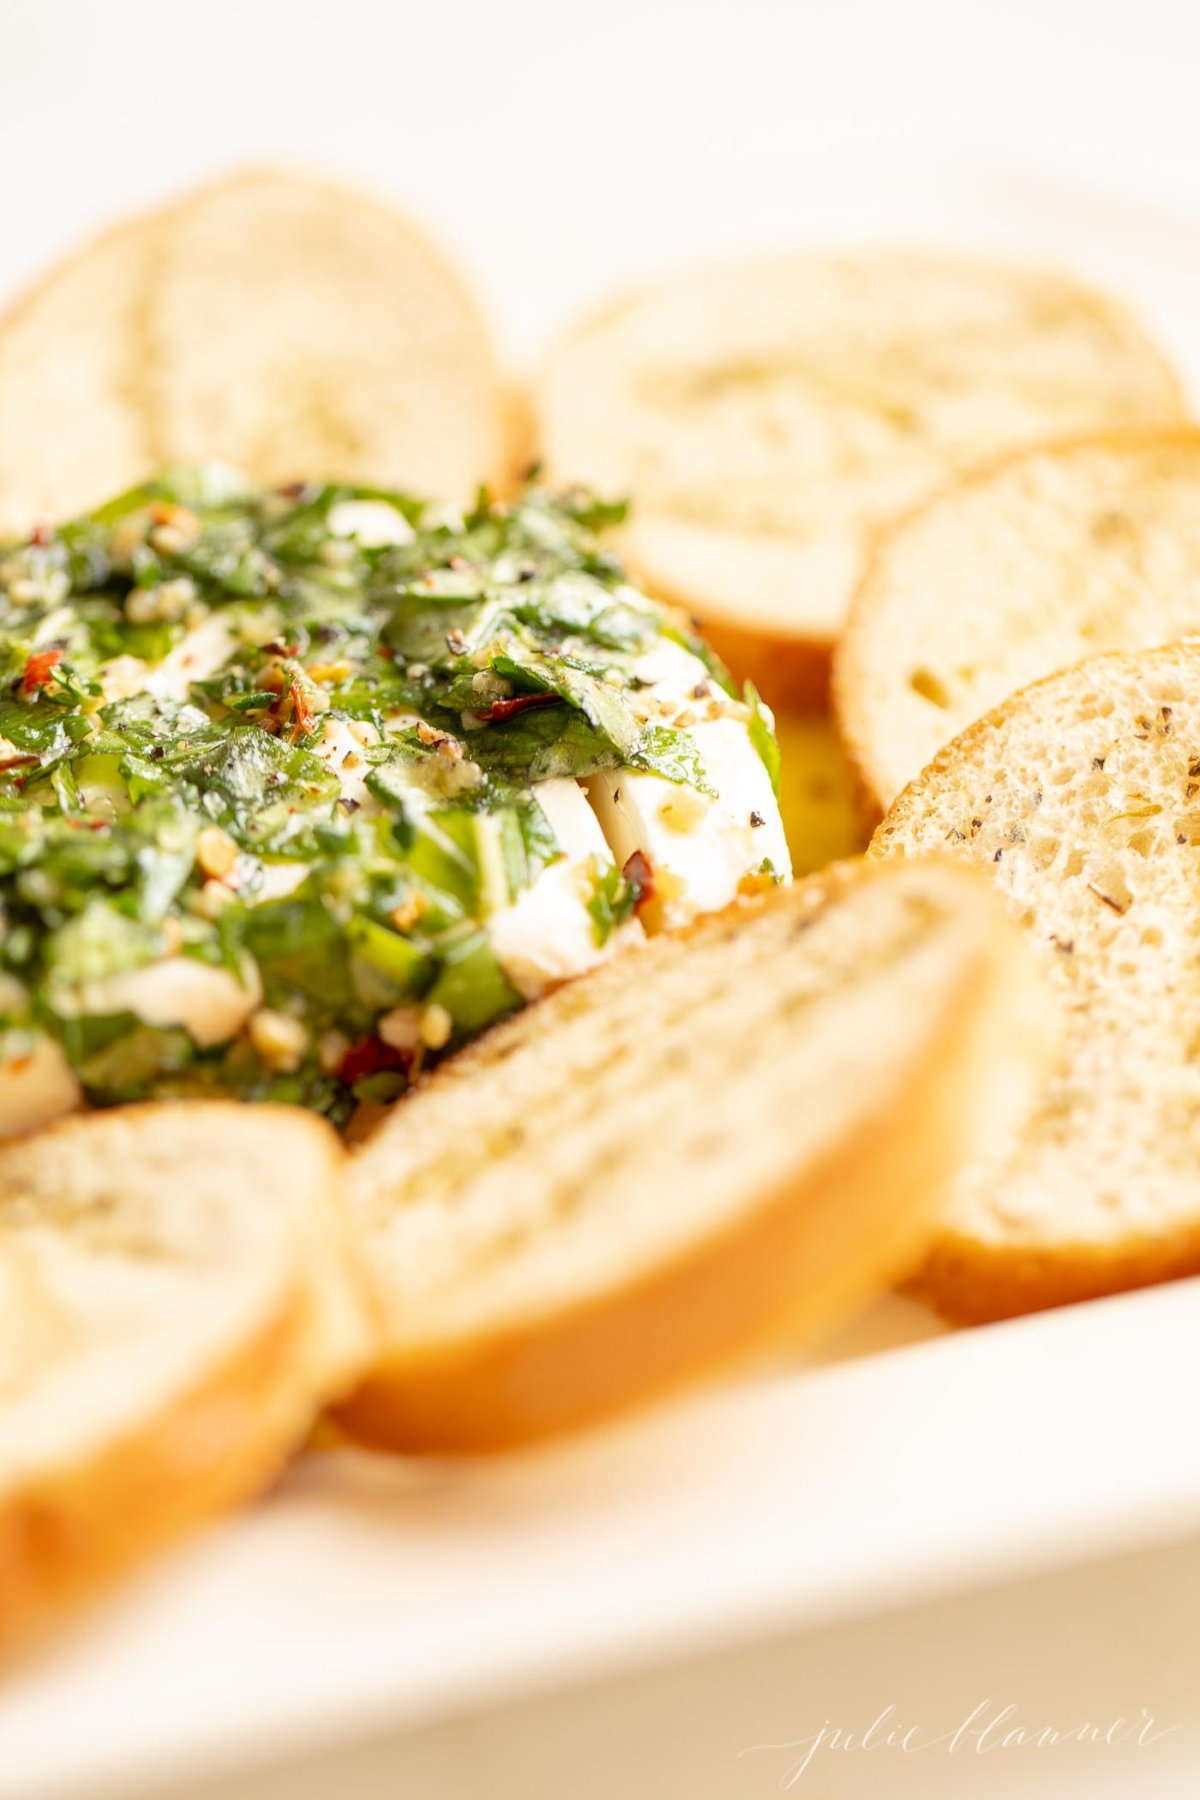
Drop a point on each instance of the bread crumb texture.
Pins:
(273, 320)
(180, 1297)
(724, 1141)
(1052, 556)
(1081, 798)
(764, 415)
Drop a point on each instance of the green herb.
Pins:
(673, 755)
(762, 734)
(613, 902)
(234, 731)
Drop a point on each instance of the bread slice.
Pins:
(73, 429)
(767, 415)
(179, 1298)
(726, 1140)
(273, 320)
(1081, 798)
(1024, 568)
(300, 328)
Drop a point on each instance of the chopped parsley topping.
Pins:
(293, 737)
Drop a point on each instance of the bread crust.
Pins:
(969, 1281)
(147, 235)
(972, 1284)
(850, 708)
(137, 233)
(793, 667)
(64, 1539)
(69, 1529)
(793, 1262)
(509, 424)
(29, 295)
(793, 672)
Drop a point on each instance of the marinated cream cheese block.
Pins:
(301, 788)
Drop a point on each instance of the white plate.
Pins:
(366, 1594)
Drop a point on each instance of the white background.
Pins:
(511, 123)
(554, 147)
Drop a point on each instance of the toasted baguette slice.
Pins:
(766, 415)
(1081, 797)
(179, 1299)
(299, 327)
(721, 1142)
(1024, 568)
(73, 428)
(284, 324)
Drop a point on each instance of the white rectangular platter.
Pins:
(365, 1594)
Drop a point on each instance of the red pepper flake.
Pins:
(371, 1056)
(639, 873)
(40, 536)
(17, 762)
(386, 652)
(39, 671)
(505, 709)
(302, 712)
(88, 824)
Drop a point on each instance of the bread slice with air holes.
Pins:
(179, 1296)
(1026, 567)
(766, 415)
(725, 1141)
(1080, 797)
(274, 320)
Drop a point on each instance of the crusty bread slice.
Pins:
(72, 426)
(766, 415)
(1081, 797)
(298, 327)
(179, 1298)
(1050, 556)
(726, 1140)
(276, 321)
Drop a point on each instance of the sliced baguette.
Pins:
(722, 1142)
(1024, 568)
(1081, 798)
(298, 327)
(765, 416)
(73, 428)
(282, 323)
(179, 1299)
